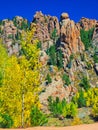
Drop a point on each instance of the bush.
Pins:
(52, 53)
(95, 57)
(39, 45)
(86, 37)
(5, 121)
(85, 83)
(76, 121)
(55, 106)
(59, 59)
(48, 78)
(66, 79)
(1, 78)
(54, 35)
(95, 110)
(73, 109)
(37, 117)
(62, 108)
(81, 100)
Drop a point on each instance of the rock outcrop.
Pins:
(45, 25)
(56, 89)
(86, 23)
(95, 35)
(10, 33)
(70, 41)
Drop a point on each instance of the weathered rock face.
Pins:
(95, 35)
(86, 23)
(45, 25)
(43, 58)
(10, 31)
(56, 89)
(69, 37)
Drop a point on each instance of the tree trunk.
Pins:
(22, 115)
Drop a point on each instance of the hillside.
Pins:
(56, 61)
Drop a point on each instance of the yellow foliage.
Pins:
(76, 121)
(21, 80)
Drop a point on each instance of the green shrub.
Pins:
(1, 78)
(52, 54)
(10, 36)
(73, 109)
(59, 59)
(71, 57)
(37, 117)
(55, 106)
(85, 83)
(54, 35)
(95, 57)
(69, 65)
(18, 36)
(86, 37)
(82, 57)
(81, 100)
(62, 108)
(39, 45)
(5, 121)
(66, 79)
(48, 78)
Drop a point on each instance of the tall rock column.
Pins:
(70, 41)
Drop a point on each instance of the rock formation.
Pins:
(70, 40)
(86, 23)
(10, 31)
(45, 26)
(67, 38)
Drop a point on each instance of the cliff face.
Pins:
(67, 31)
(45, 26)
(65, 36)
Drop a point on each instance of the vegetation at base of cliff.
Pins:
(37, 117)
(83, 99)
(86, 37)
(5, 121)
(62, 108)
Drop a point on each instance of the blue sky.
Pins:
(27, 8)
